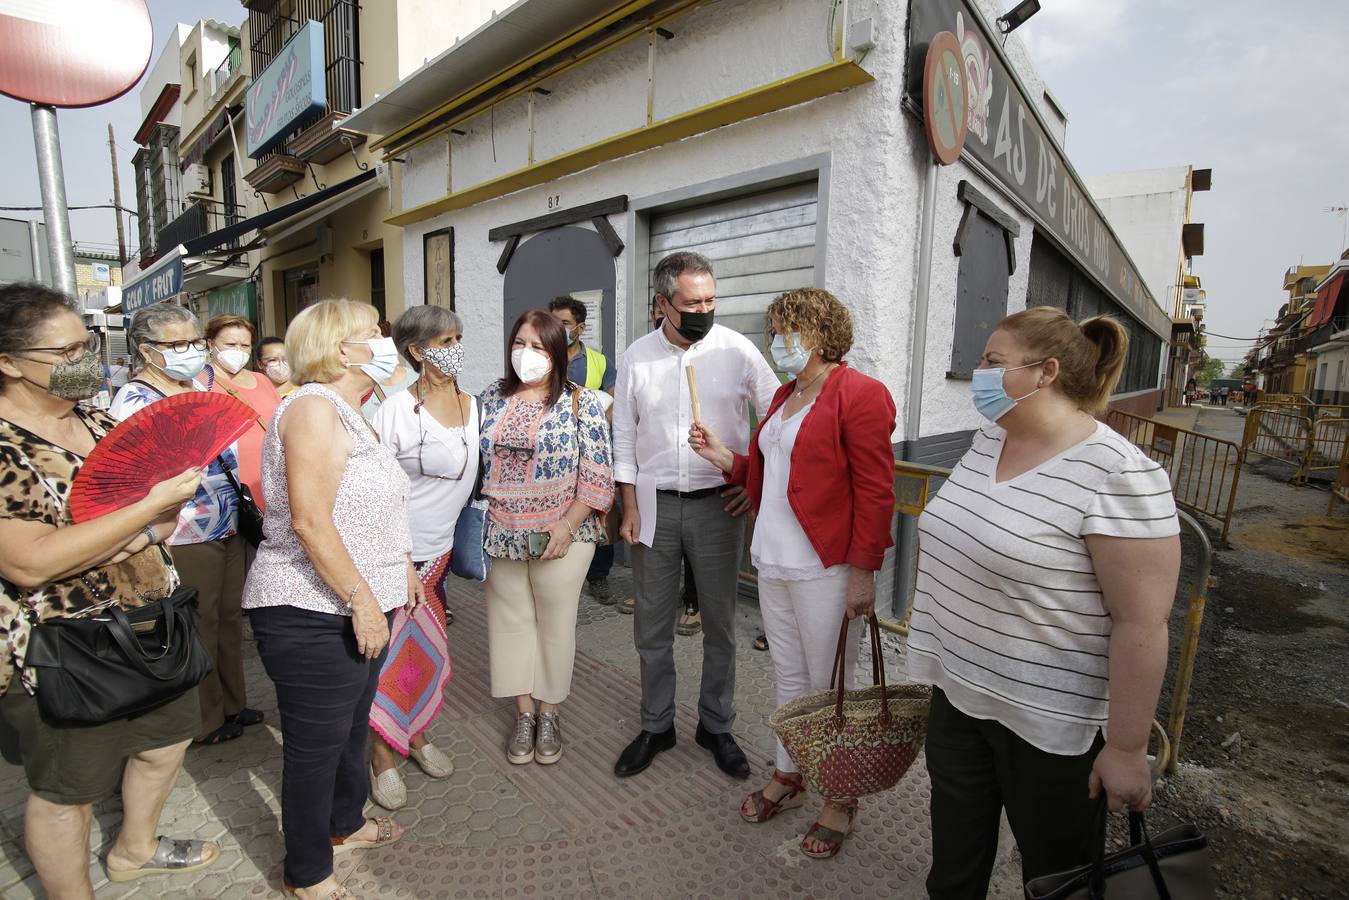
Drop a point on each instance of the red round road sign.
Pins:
(73, 52)
(945, 102)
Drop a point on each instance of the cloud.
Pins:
(1066, 30)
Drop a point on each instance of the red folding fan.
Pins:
(155, 443)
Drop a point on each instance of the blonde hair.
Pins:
(818, 316)
(315, 336)
(1091, 354)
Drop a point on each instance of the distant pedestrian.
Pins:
(549, 482)
(692, 517)
(1223, 394)
(1047, 567)
(118, 373)
(1191, 391)
(590, 368)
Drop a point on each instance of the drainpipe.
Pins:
(913, 404)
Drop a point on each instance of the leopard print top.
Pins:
(35, 481)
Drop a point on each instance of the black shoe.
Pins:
(600, 590)
(730, 758)
(638, 755)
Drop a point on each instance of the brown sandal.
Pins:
(383, 836)
(829, 837)
(339, 893)
(765, 809)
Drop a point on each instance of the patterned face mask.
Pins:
(79, 380)
(449, 360)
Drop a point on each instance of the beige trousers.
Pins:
(531, 624)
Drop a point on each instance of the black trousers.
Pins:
(978, 768)
(324, 689)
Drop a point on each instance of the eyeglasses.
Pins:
(505, 451)
(71, 352)
(421, 466)
(181, 346)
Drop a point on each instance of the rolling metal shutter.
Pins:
(760, 245)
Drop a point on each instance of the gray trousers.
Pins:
(713, 541)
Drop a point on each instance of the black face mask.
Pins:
(694, 326)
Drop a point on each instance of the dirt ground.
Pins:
(1264, 766)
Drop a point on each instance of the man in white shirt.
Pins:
(652, 415)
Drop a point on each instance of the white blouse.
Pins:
(423, 445)
(781, 549)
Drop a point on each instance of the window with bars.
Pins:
(272, 26)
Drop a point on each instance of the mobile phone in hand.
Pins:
(538, 542)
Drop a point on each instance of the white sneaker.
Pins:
(387, 789)
(433, 760)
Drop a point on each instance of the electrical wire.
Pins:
(124, 209)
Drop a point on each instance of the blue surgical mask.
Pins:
(990, 397)
(790, 359)
(383, 363)
(183, 366)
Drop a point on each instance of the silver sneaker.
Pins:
(548, 748)
(520, 748)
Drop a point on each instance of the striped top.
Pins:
(1008, 617)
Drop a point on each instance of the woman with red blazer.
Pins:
(820, 472)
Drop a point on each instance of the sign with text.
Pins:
(289, 89)
(160, 282)
(1008, 137)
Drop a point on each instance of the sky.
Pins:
(1256, 91)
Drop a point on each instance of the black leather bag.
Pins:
(1173, 866)
(116, 663)
(250, 517)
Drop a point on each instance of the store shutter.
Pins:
(760, 245)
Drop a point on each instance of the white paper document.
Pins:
(646, 508)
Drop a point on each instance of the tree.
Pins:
(1211, 369)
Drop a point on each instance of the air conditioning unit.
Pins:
(197, 180)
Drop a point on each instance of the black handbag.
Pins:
(115, 663)
(250, 517)
(1173, 866)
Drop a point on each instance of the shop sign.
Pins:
(1008, 137)
(160, 282)
(234, 300)
(289, 89)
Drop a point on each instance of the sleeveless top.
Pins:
(370, 512)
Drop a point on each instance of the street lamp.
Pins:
(1017, 16)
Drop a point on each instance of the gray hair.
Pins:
(665, 278)
(420, 325)
(147, 324)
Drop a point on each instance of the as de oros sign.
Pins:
(289, 89)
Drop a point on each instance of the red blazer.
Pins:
(842, 484)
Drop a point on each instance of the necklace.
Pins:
(809, 384)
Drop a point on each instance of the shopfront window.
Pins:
(302, 289)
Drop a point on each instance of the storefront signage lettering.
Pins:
(289, 89)
(162, 281)
(1007, 136)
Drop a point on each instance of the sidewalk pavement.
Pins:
(571, 830)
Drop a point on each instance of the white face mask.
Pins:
(278, 370)
(530, 365)
(232, 360)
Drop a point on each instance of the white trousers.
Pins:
(802, 621)
(531, 624)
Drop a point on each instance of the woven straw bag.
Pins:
(848, 744)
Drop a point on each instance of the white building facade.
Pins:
(783, 140)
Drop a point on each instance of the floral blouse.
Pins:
(35, 481)
(538, 460)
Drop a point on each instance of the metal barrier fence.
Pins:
(1280, 434)
(1340, 489)
(1326, 447)
(1204, 470)
(1303, 406)
(913, 489)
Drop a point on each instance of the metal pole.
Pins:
(117, 199)
(913, 406)
(35, 247)
(60, 251)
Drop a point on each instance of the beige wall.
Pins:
(426, 28)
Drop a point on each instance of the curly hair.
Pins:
(818, 316)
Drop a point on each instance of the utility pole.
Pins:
(117, 199)
(60, 251)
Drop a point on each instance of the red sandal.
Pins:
(829, 837)
(765, 809)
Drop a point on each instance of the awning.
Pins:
(1325, 301)
(176, 272)
(271, 217)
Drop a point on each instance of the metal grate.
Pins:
(341, 43)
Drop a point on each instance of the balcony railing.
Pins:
(220, 76)
(199, 219)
